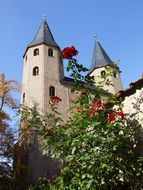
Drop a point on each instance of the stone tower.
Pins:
(100, 59)
(43, 74)
(43, 71)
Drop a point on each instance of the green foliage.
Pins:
(98, 144)
(43, 184)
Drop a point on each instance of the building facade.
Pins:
(132, 99)
(43, 76)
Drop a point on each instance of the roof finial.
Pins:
(44, 17)
(95, 36)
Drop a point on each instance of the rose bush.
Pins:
(98, 144)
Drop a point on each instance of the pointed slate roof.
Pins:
(44, 36)
(100, 57)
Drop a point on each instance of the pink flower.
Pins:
(69, 52)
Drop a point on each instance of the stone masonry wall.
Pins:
(133, 104)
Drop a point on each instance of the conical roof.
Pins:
(100, 57)
(44, 36)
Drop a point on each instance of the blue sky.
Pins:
(117, 23)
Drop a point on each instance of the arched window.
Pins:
(36, 52)
(50, 52)
(52, 91)
(35, 71)
(103, 73)
(23, 98)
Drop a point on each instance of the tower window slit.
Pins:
(52, 91)
(23, 98)
(114, 74)
(26, 58)
(50, 52)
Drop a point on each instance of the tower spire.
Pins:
(100, 57)
(44, 35)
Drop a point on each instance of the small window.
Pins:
(115, 74)
(92, 78)
(35, 71)
(26, 58)
(23, 98)
(103, 73)
(50, 52)
(36, 52)
(52, 91)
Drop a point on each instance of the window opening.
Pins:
(36, 52)
(103, 73)
(52, 91)
(115, 74)
(50, 52)
(35, 71)
(23, 99)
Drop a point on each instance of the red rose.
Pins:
(96, 105)
(121, 114)
(55, 99)
(99, 105)
(111, 116)
(104, 105)
(69, 52)
(90, 113)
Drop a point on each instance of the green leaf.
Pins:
(73, 150)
